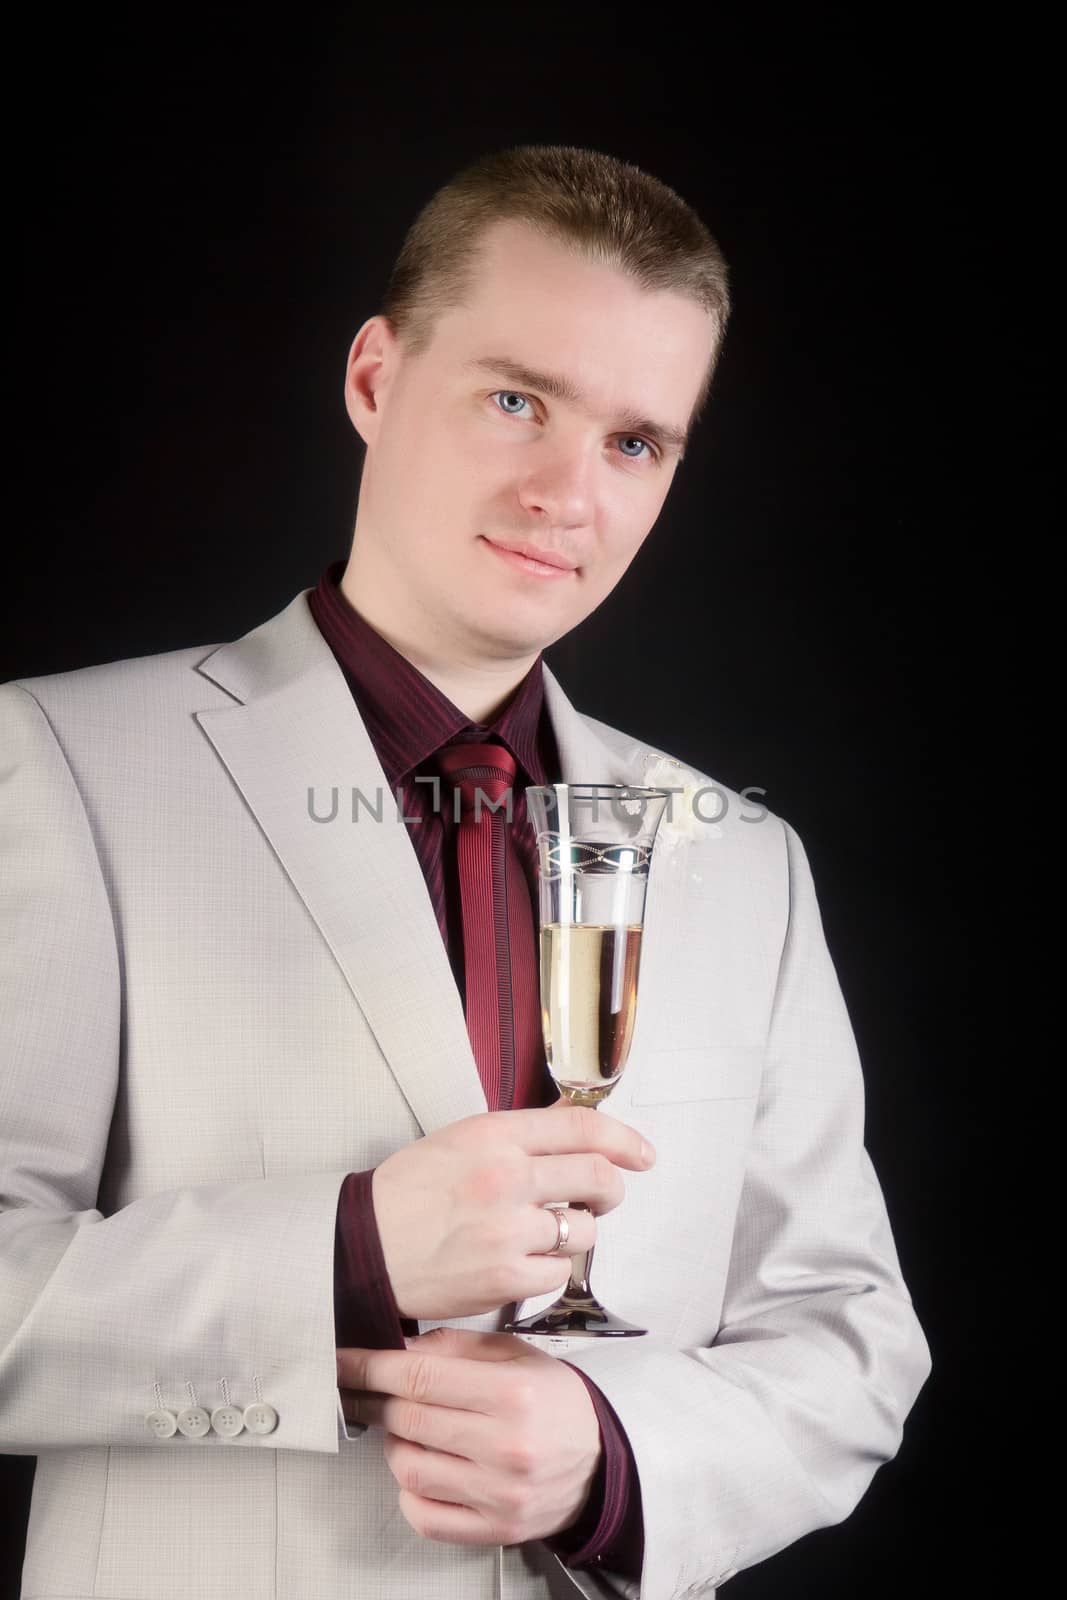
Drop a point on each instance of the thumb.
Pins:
(468, 1343)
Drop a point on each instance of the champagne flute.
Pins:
(594, 845)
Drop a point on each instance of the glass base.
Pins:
(585, 1319)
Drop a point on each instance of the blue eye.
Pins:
(513, 394)
(510, 395)
(634, 438)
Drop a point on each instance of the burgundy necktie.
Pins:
(499, 955)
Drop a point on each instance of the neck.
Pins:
(477, 684)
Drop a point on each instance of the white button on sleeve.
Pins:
(228, 1421)
(260, 1418)
(194, 1422)
(164, 1424)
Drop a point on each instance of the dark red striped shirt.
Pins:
(409, 719)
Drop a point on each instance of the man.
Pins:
(263, 1111)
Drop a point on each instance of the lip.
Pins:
(528, 558)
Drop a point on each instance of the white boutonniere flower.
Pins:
(691, 809)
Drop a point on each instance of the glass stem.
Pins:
(578, 1287)
(577, 1291)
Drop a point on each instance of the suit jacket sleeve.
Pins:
(777, 1427)
(99, 1314)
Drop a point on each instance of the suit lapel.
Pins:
(294, 728)
(583, 756)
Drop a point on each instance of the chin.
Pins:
(514, 633)
(516, 641)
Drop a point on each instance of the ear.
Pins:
(371, 363)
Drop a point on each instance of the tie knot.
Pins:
(481, 775)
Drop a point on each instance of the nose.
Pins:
(560, 487)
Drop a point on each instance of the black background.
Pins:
(207, 214)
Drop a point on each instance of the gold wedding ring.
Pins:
(563, 1229)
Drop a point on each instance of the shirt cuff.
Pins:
(610, 1529)
(365, 1312)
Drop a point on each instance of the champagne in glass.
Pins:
(589, 998)
(594, 845)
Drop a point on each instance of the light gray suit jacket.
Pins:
(215, 1007)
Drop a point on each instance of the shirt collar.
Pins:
(408, 718)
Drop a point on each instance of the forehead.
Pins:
(517, 272)
(611, 344)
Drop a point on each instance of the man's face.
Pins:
(466, 463)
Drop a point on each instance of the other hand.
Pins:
(490, 1440)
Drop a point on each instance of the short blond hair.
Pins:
(605, 209)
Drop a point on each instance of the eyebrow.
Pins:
(670, 439)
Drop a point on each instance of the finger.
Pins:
(454, 1433)
(464, 1434)
(446, 1524)
(541, 1274)
(440, 1428)
(570, 1130)
(469, 1343)
(432, 1379)
(581, 1233)
(434, 1475)
(592, 1179)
